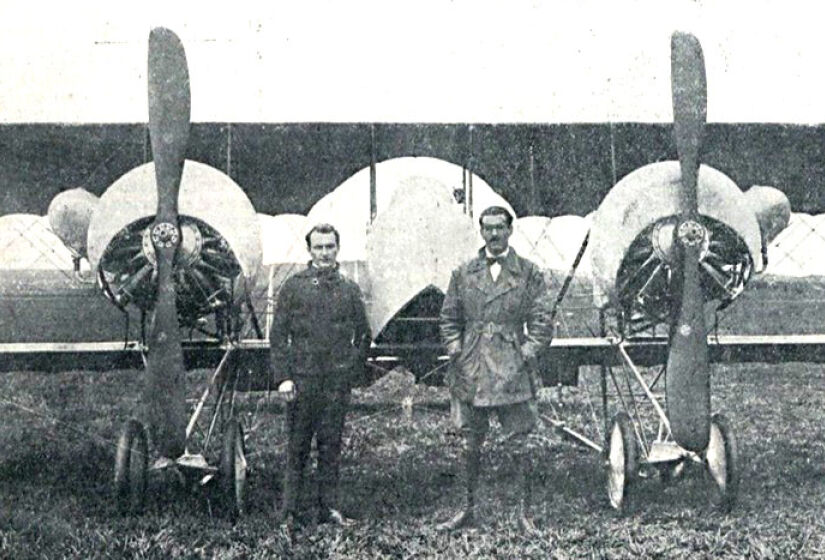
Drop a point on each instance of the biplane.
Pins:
(175, 246)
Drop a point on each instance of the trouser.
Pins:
(318, 413)
(518, 422)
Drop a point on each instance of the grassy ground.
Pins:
(401, 475)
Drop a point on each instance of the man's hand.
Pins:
(287, 390)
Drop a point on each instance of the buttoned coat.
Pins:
(493, 330)
(320, 333)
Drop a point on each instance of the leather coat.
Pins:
(493, 330)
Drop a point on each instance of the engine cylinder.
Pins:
(220, 250)
(632, 246)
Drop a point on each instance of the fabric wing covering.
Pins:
(415, 243)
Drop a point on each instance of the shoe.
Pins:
(288, 529)
(335, 517)
(525, 523)
(462, 519)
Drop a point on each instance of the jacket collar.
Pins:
(510, 262)
(507, 279)
(322, 273)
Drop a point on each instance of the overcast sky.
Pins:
(432, 61)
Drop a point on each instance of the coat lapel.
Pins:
(508, 278)
(480, 275)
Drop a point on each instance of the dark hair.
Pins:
(323, 228)
(496, 211)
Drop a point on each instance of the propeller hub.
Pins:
(166, 235)
(692, 234)
(668, 232)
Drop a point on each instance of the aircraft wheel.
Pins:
(722, 460)
(233, 470)
(622, 460)
(131, 464)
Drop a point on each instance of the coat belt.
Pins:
(507, 330)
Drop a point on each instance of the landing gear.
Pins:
(670, 471)
(131, 463)
(215, 452)
(233, 470)
(622, 460)
(722, 460)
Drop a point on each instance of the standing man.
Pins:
(319, 342)
(493, 323)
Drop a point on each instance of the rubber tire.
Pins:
(233, 470)
(621, 460)
(131, 467)
(724, 475)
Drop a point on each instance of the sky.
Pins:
(418, 61)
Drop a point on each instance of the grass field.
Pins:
(400, 475)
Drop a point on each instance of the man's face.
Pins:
(496, 233)
(323, 249)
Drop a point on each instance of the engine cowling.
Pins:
(220, 250)
(632, 247)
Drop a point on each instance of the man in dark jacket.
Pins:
(319, 342)
(493, 322)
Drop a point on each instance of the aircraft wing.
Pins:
(723, 348)
(254, 353)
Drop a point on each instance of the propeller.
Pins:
(169, 112)
(688, 373)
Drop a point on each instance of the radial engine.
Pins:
(219, 254)
(633, 248)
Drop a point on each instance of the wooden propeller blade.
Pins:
(169, 112)
(688, 372)
(690, 108)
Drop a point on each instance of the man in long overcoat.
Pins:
(493, 322)
(319, 342)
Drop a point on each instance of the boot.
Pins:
(466, 517)
(462, 519)
(335, 517)
(525, 521)
(288, 528)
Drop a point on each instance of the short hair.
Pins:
(496, 211)
(323, 228)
